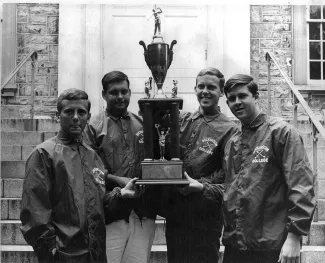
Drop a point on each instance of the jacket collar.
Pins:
(126, 115)
(69, 141)
(258, 121)
(208, 118)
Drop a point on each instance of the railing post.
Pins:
(295, 109)
(34, 58)
(314, 148)
(269, 97)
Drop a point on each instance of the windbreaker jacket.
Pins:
(202, 142)
(268, 187)
(62, 200)
(119, 142)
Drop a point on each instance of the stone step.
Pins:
(11, 234)
(13, 125)
(12, 187)
(10, 208)
(25, 254)
(15, 254)
(12, 169)
(10, 205)
(25, 137)
(15, 152)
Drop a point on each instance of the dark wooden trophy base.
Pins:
(162, 172)
(163, 112)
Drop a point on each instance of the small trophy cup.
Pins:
(161, 164)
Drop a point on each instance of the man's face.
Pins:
(243, 104)
(117, 97)
(208, 92)
(73, 117)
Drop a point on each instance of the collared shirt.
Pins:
(268, 187)
(62, 199)
(119, 142)
(202, 141)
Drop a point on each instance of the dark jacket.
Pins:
(202, 142)
(119, 142)
(62, 201)
(268, 187)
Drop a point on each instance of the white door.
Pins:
(95, 39)
(125, 26)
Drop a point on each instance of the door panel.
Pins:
(123, 28)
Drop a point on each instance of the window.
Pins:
(316, 43)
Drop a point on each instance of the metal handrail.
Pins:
(32, 55)
(299, 97)
(316, 125)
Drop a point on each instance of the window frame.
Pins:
(321, 40)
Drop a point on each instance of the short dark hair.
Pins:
(72, 94)
(241, 79)
(213, 72)
(114, 77)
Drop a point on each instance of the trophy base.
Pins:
(162, 172)
(163, 182)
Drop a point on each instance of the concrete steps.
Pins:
(24, 254)
(11, 234)
(19, 137)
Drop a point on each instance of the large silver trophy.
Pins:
(162, 164)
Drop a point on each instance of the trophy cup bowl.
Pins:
(158, 57)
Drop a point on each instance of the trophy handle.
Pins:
(145, 51)
(171, 53)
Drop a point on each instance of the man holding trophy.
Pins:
(193, 212)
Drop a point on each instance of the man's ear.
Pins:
(257, 95)
(222, 92)
(89, 115)
(103, 94)
(57, 115)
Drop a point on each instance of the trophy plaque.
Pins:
(161, 164)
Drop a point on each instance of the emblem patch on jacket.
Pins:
(260, 154)
(98, 176)
(208, 145)
(139, 134)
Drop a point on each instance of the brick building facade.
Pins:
(37, 25)
(271, 31)
(37, 28)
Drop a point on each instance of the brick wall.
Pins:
(37, 28)
(271, 30)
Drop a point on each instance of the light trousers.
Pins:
(130, 241)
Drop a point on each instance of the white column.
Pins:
(71, 47)
(94, 56)
(80, 51)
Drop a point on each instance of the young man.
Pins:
(62, 204)
(193, 212)
(269, 197)
(117, 136)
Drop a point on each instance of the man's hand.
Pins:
(131, 190)
(290, 252)
(193, 187)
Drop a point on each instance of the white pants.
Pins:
(130, 242)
